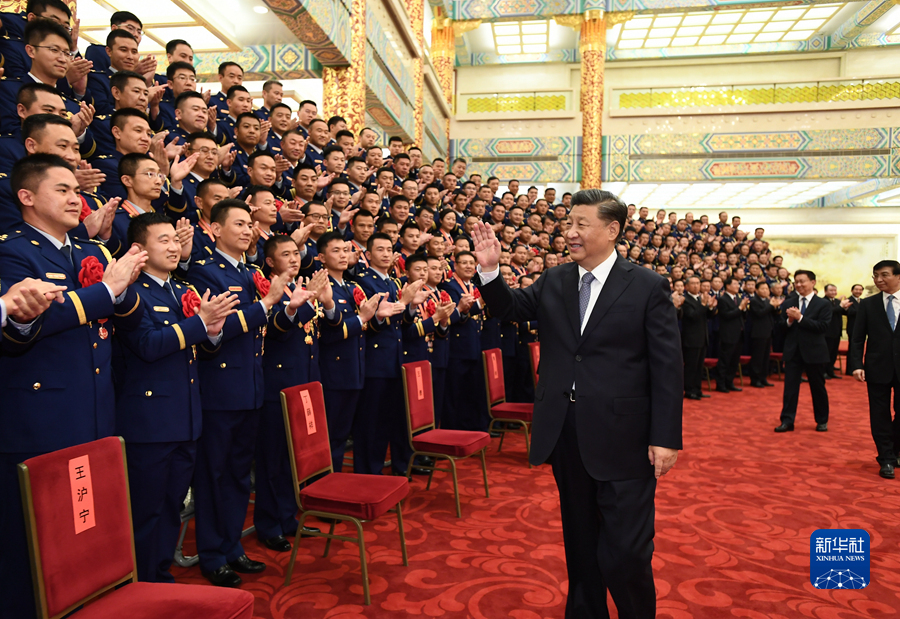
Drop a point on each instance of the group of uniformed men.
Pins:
(170, 260)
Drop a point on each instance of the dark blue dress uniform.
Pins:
(466, 407)
(9, 90)
(220, 100)
(126, 211)
(16, 61)
(440, 359)
(231, 387)
(225, 128)
(314, 157)
(204, 242)
(418, 337)
(292, 358)
(108, 163)
(100, 90)
(60, 392)
(158, 414)
(343, 366)
(381, 416)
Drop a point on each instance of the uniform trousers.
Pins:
(340, 410)
(16, 589)
(159, 475)
(608, 529)
(275, 507)
(381, 421)
(466, 407)
(222, 484)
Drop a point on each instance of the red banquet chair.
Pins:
(503, 412)
(534, 354)
(337, 496)
(77, 505)
(425, 440)
(778, 358)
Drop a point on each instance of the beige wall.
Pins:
(852, 64)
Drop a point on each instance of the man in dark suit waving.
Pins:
(807, 318)
(607, 412)
(876, 321)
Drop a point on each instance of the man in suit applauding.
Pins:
(876, 321)
(764, 310)
(608, 406)
(807, 318)
(695, 311)
(731, 334)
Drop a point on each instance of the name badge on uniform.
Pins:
(54, 276)
(235, 288)
(160, 308)
(341, 301)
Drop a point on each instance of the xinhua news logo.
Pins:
(839, 559)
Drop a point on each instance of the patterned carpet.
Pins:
(732, 529)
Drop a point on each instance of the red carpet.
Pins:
(732, 529)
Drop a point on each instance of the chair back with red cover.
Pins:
(307, 431)
(534, 351)
(417, 390)
(493, 376)
(78, 518)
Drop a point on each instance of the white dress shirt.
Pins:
(601, 274)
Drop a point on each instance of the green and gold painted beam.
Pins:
(322, 25)
(859, 21)
(288, 61)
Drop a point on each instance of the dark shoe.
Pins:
(225, 576)
(758, 385)
(304, 533)
(887, 470)
(704, 395)
(495, 435)
(733, 388)
(829, 376)
(424, 461)
(768, 384)
(821, 427)
(277, 543)
(785, 428)
(693, 396)
(420, 471)
(722, 389)
(246, 565)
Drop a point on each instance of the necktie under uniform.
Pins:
(66, 251)
(584, 295)
(168, 287)
(891, 316)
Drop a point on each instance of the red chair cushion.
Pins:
(512, 410)
(710, 363)
(361, 496)
(776, 355)
(843, 347)
(744, 359)
(459, 443)
(144, 600)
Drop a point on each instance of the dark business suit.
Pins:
(833, 334)
(851, 312)
(731, 328)
(805, 350)
(694, 341)
(872, 331)
(764, 314)
(628, 375)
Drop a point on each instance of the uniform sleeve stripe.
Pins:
(137, 304)
(180, 335)
(243, 320)
(79, 308)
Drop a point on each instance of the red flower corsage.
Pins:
(430, 309)
(445, 298)
(262, 284)
(477, 293)
(359, 297)
(91, 272)
(190, 303)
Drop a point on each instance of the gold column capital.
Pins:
(619, 17)
(569, 21)
(464, 26)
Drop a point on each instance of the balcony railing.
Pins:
(511, 102)
(826, 91)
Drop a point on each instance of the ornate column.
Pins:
(416, 11)
(442, 52)
(344, 88)
(593, 61)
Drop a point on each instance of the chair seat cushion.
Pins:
(710, 363)
(145, 600)
(744, 359)
(362, 496)
(513, 410)
(776, 355)
(459, 443)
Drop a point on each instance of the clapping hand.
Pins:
(387, 308)
(465, 303)
(214, 310)
(321, 285)
(29, 298)
(123, 272)
(413, 293)
(185, 233)
(99, 223)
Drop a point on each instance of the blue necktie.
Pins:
(892, 318)
(584, 295)
(803, 306)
